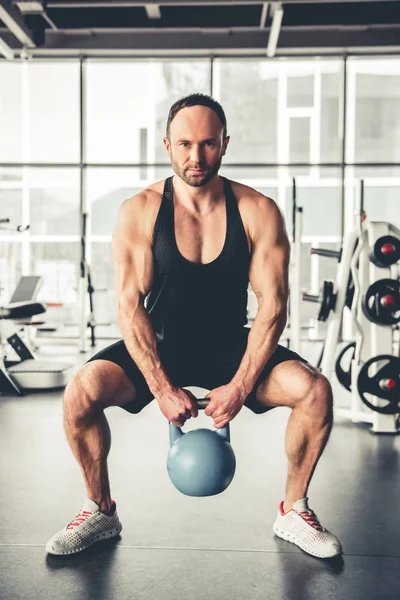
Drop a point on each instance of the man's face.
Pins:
(196, 145)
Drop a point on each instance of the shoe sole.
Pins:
(102, 537)
(294, 540)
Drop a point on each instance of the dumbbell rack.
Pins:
(371, 339)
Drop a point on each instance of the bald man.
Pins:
(185, 250)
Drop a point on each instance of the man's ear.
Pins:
(225, 145)
(167, 144)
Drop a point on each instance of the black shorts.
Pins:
(211, 366)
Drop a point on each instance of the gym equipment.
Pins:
(383, 384)
(295, 274)
(350, 293)
(381, 303)
(200, 462)
(327, 296)
(86, 292)
(386, 251)
(27, 373)
(326, 252)
(5, 225)
(27, 289)
(343, 375)
(367, 310)
(327, 299)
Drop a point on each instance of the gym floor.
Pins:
(173, 546)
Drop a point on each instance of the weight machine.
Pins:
(367, 284)
(27, 372)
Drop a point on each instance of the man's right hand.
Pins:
(177, 405)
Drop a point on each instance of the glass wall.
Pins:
(373, 111)
(285, 119)
(127, 104)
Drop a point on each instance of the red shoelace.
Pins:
(311, 518)
(79, 519)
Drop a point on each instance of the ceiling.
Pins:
(184, 27)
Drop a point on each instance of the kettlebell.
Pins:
(200, 462)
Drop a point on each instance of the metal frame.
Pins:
(46, 56)
(132, 3)
(240, 41)
(84, 165)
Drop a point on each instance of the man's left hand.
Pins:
(225, 403)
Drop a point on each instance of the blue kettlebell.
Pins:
(200, 462)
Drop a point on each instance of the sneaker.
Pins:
(302, 527)
(89, 527)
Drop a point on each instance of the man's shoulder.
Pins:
(250, 200)
(139, 212)
(145, 203)
(146, 198)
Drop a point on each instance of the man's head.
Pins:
(196, 138)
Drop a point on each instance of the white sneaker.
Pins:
(88, 527)
(302, 527)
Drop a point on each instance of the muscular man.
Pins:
(188, 246)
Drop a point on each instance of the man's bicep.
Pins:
(133, 260)
(269, 265)
(269, 274)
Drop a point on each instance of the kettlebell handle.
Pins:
(176, 432)
(202, 403)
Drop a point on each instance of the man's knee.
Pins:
(319, 397)
(97, 385)
(81, 396)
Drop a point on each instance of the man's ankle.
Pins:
(105, 506)
(290, 502)
(287, 505)
(108, 510)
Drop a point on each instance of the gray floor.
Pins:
(174, 547)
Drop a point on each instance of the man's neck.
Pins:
(199, 200)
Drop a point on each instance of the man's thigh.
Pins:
(118, 354)
(179, 369)
(287, 384)
(208, 369)
(227, 362)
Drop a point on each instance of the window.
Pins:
(374, 110)
(11, 121)
(53, 101)
(54, 201)
(125, 98)
(247, 90)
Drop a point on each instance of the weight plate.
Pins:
(386, 251)
(384, 383)
(381, 303)
(328, 301)
(344, 376)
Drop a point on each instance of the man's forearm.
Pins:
(141, 342)
(262, 342)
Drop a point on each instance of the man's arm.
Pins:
(269, 279)
(133, 260)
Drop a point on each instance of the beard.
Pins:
(196, 180)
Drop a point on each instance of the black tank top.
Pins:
(195, 301)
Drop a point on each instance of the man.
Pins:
(189, 245)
